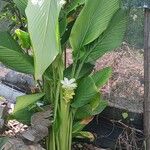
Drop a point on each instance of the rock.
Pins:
(85, 146)
(35, 134)
(3, 113)
(19, 78)
(18, 144)
(9, 93)
(40, 122)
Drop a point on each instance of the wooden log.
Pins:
(9, 93)
(147, 77)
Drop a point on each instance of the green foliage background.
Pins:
(134, 34)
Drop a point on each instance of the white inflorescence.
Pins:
(69, 84)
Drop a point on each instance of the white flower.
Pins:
(68, 84)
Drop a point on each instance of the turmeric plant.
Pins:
(92, 28)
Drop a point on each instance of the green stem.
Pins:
(64, 125)
(81, 65)
(74, 73)
(70, 131)
(57, 142)
(51, 142)
(61, 131)
(74, 66)
(40, 86)
(56, 100)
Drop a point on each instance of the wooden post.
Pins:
(147, 78)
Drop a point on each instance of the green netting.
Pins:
(137, 3)
(135, 30)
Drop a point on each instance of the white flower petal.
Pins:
(72, 80)
(66, 80)
(74, 85)
(68, 84)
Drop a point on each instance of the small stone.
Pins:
(80, 145)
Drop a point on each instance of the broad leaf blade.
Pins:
(111, 38)
(21, 4)
(21, 111)
(11, 55)
(95, 107)
(16, 61)
(79, 125)
(7, 41)
(92, 21)
(83, 112)
(26, 100)
(95, 102)
(98, 105)
(62, 22)
(102, 105)
(85, 92)
(101, 77)
(23, 116)
(73, 5)
(43, 28)
(86, 70)
(84, 135)
(66, 34)
(24, 38)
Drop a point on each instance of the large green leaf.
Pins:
(62, 22)
(11, 55)
(87, 111)
(95, 102)
(7, 41)
(21, 4)
(84, 135)
(102, 105)
(96, 106)
(23, 116)
(22, 112)
(73, 5)
(101, 77)
(43, 28)
(24, 38)
(79, 125)
(92, 21)
(26, 100)
(111, 38)
(83, 112)
(86, 90)
(66, 34)
(86, 70)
